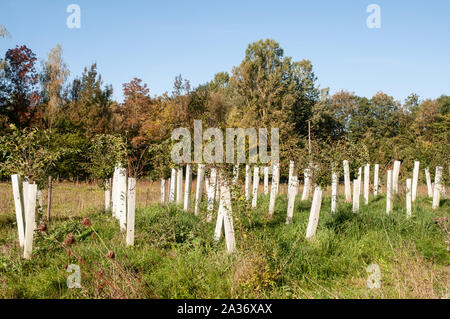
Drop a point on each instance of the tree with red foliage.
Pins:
(19, 86)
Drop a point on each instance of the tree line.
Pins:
(74, 129)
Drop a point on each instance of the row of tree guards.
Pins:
(217, 189)
(120, 195)
(28, 201)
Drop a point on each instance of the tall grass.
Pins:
(175, 256)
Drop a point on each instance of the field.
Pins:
(175, 255)
(342, 110)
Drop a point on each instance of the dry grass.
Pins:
(111, 277)
(70, 199)
(408, 274)
(252, 275)
(73, 200)
(416, 278)
(411, 277)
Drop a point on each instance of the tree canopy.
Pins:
(79, 124)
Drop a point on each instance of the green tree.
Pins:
(211, 102)
(91, 106)
(54, 75)
(28, 152)
(273, 89)
(106, 152)
(270, 90)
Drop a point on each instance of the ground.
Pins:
(175, 255)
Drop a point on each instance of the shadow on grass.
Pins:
(444, 202)
(377, 198)
(341, 219)
(6, 220)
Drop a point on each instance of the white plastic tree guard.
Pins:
(314, 213)
(274, 188)
(228, 217)
(291, 171)
(366, 183)
(122, 203)
(376, 179)
(292, 193)
(356, 189)
(255, 186)
(179, 199)
(187, 188)
(437, 187)
(163, 191)
(429, 186)
(347, 184)
(225, 217)
(389, 195)
(115, 193)
(248, 179)
(131, 210)
(30, 212)
(211, 193)
(408, 198)
(415, 180)
(173, 180)
(307, 186)
(266, 180)
(334, 191)
(395, 175)
(25, 196)
(19, 206)
(199, 186)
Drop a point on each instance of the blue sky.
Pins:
(157, 40)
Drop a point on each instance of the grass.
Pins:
(175, 256)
